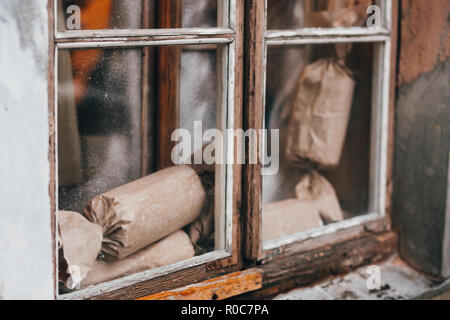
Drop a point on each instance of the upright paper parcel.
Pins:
(319, 117)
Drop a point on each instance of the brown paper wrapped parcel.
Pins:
(81, 244)
(144, 211)
(173, 248)
(80, 241)
(315, 204)
(319, 117)
(314, 188)
(340, 14)
(287, 217)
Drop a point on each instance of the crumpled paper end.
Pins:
(80, 242)
(315, 188)
(173, 248)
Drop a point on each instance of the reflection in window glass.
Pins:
(319, 96)
(99, 14)
(293, 14)
(123, 14)
(112, 221)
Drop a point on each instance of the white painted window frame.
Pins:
(224, 37)
(376, 217)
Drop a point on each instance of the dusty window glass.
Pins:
(113, 220)
(99, 116)
(320, 98)
(122, 14)
(200, 96)
(294, 14)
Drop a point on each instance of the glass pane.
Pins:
(294, 14)
(114, 220)
(198, 92)
(122, 14)
(198, 113)
(321, 105)
(99, 119)
(200, 14)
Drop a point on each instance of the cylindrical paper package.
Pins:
(174, 248)
(320, 114)
(287, 217)
(315, 188)
(80, 241)
(146, 210)
(203, 227)
(316, 204)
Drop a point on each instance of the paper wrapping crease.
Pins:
(146, 210)
(319, 116)
(80, 242)
(174, 248)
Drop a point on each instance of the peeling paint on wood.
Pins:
(313, 266)
(215, 289)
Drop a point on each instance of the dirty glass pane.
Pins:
(99, 119)
(200, 14)
(319, 98)
(122, 14)
(294, 14)
(198, 92)
(113, 219)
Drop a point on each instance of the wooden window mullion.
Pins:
(168, 83)
(253, 119)
(146, 123)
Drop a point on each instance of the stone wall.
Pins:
(421, 187)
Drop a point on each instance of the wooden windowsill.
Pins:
(219, 288)
(289, 272)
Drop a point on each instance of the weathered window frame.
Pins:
(231, 38)
(258, 39)
(369, 237)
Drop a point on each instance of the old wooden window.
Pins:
(333, 164)
(136, 71)
(126, 77)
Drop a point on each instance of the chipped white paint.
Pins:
(157, 33)
(141, 43)
(325, 39)
(26, 267)
(113, 285)
(324, 32)
(333, 228)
